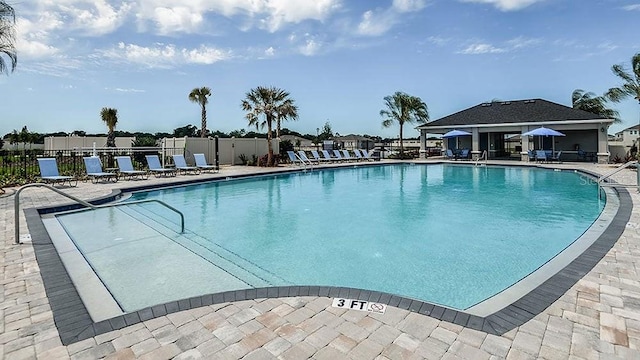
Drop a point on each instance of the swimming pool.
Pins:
(446, 234)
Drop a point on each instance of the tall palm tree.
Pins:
(201, 96)
(594, 104)
(287, 113)
(110, 117)
(7, 37)
(268, 103)
(403, 108)
(631, 85)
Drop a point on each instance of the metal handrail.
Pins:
(304, 162)
(617, 170)
(483, 156)
(84, 203)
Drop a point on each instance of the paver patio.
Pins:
(599, 317)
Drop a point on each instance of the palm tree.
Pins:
(631, 85)
(271, 103)
(201, 96)
(286, 114)
(110, 117)
(589, 102)
(403, 108)
(7, 37)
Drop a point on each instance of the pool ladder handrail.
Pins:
(84, 203)
(483, 156)
(304, 163)
(601, 179)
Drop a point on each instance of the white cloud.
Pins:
(165, 55)
(32, 38)
(127, 90)
(375, 24)
(310, 48)
(270, 51)
(409, 5)
(438, 40)
(179, 18)
(506, 5)
(523, 42)
(632, 7)
(481, 48)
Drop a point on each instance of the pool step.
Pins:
(232, 263)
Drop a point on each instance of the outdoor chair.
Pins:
(346, 156)
(317, 157)
(125, 168)
(94, 170)
(181, 165)
(367, 155)
(531, 155)
(358, 155)
(304, 157)
(201, 163)
(153, 161)
(49, 173)
(327, 156)
(541, 156)
(556, 156)
(294, 158)
(464, 154)
(338, 155)
(450, 155)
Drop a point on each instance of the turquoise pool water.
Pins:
(447, 234)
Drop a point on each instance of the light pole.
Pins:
(317, 138)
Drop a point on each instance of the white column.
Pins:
(475, 143)
(603, 145)
(423, 144)
(524, 154)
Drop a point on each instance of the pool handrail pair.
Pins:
(84, 203)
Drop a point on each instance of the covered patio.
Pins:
(497, 128)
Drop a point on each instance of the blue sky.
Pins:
(337, 58)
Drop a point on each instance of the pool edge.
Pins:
(74, 323)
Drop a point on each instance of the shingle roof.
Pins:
(520, 111)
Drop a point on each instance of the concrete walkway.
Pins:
(599, 317)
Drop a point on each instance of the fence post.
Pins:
(217, 153)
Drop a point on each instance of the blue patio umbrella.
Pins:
(543, 131)
(455, 134)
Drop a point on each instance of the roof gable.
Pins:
(520, 111)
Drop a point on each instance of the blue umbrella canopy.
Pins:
(543, 131)
(455, 133)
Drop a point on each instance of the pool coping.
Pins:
(75, 324)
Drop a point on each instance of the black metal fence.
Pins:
(21, 166)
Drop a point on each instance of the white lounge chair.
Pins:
(125, 168)
(94, 170)
(201, 163)
(181, 165)
(50, 175)
(153, 161)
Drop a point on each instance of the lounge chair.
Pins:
(464, 154)
(318, 158)
(304, 157)
(450, 155)
(532, 155)
(201, 163)
(327, 156)
(358, 155)
(181, 165)
(347, 156)
(94, 170)
(294, 158)
(367, 155)
(338, 155)
(153, 161)
(541, 156)
(125, 168)
(556, 156)
(49, 173)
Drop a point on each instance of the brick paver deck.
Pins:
(598, 317)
